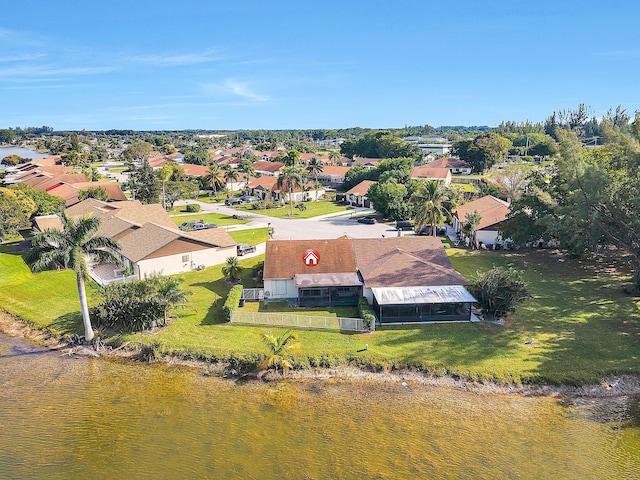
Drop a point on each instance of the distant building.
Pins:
(455, 165)
(428, 173)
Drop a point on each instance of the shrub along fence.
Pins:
(299, 321)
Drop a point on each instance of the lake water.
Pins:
(64, 417)
(23, 152)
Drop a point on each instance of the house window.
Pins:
(185, 258)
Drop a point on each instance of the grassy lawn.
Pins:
(217, 218)
(252, 236)
(583, 325)
(314, 209)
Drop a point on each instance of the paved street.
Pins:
(322, 227)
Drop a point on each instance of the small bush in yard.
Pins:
(366, 314)
(193, 207)
(499, 290)
(232, 302)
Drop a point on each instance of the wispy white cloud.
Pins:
(21, 58)
(36, 72)
(234, 89)
(177, 60)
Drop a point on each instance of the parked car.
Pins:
(190, 226)
(367, 220)
(405, 225)
(244, 248)
(426, 230)
(249, 198)
(232, 201)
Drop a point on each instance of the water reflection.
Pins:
(63, 417)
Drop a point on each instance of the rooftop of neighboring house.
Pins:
(372, 162)
(492, 210)
(448, 162)
(360, 189)
(191, 170)
(430, 173)
(262, 166)
(334, 170)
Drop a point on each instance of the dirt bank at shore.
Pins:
(608, 387)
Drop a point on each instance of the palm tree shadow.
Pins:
(69, 324)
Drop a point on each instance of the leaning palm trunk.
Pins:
(86, 320)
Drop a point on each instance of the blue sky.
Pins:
(190, 64)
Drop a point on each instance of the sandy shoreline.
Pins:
(609, 387)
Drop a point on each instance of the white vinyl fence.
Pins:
(298, 321)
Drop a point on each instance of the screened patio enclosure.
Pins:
(328, 289)
(422, 304)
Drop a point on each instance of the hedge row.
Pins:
(232, 302)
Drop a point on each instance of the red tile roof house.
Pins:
(270, 169)
(492, 212)
(406, 280)
(332, 176)
(260, 187)
(455, 165)
(428, 173)
(357, 196)
(150, 241)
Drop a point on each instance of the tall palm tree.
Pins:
(164, 174)
(246, 167)
(334, 157)
(430, 198)
(214, 178)
(315, 167)
(70, 248)
(279, 350)
(231, 175)
(290, 179)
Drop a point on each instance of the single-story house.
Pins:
(367, 162)
(455, 165)
(428, 173)
(150, 241)
(270, 169)
(405, 279)
(267, 187)
(357, 195)
(492, 212)
(332, 176)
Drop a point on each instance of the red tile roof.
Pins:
(492, 210)
(448, 163)
(430, 173)
(268, 166)
(361, 189)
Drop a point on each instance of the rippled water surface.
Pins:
(64, 417)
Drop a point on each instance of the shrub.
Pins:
(499, 290)
(192, 207)
(232, 302)
(366, 314)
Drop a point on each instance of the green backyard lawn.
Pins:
(217, 218)
(251, 236)
(584, 327)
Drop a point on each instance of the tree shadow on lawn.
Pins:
(449, 344)
(68, 324)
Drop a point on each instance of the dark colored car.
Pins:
(367, 220)
(404, 225)
(232, 201)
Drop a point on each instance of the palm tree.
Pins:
(315, 167)
(279, 351)
(430, 198)
(231, 268)
(214, 178)
(169, 294)
(471, 224)
(70, 248)
(334, 157)
(290, 179)
(231, 175)
(246, 167)
(164, 174)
